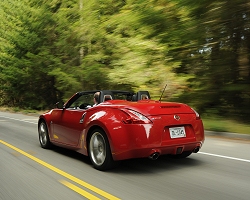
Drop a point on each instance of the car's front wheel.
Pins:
(99, 151)
(44, 135)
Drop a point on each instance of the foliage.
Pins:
(219, 124)
(222, 73)
(201, 49)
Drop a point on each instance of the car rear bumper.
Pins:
(160, 150)
(142, 140)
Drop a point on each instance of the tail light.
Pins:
(197, 114)
(133, 117)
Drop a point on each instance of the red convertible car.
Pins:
(121, 126)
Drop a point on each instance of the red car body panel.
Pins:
(70, 128)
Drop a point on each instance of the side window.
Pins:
(107, 97)
(141, 95)
(83, 102)
(144, 97)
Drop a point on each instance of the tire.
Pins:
(99, 151)
(184, 154)
(43, 135)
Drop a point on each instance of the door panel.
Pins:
(66, 126)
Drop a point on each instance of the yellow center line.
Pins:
(79, 190)
(62, 173)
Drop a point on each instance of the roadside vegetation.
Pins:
(215, 123)
(50, 49)
(218, 124)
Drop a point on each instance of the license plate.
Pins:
(177, 132)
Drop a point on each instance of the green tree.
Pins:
(220, 62)
(51, 49)
(128, 46)
(37, 68)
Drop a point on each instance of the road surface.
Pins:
(221, 170)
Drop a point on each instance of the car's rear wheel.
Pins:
(99, 150)
(44, 135)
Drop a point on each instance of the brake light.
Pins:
(133, 117)
(197, 114)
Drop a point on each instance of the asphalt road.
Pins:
(27, 172)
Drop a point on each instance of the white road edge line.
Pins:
(18, 120)
(209, 154)
(227, 157)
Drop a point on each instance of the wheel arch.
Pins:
(41, 119)
(91, 129)
(88, 135)
(114, 128)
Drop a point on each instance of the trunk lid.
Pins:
(149, 107)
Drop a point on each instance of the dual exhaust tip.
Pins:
(156, 154)
(196, 149)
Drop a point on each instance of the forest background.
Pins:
(49, 49)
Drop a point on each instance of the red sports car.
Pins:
(121, 126)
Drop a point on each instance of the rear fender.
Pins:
(110, 120)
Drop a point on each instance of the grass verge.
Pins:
(216, 124)
(225, 125)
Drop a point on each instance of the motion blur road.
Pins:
(27, 172)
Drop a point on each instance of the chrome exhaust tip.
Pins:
(154, 156)
(196, 149)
